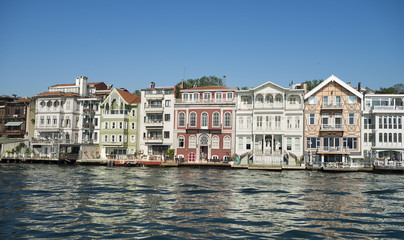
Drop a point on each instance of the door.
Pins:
(204, 153)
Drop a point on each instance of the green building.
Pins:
(119, 123)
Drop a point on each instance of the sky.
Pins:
(132, 43)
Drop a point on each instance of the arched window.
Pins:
(181, 119)
(192, 119)
(205, 119)
(216, 119)
(181, 141)
(385, 137)
(400, 137)
(192, 142)
(380, 137)
(269, 98)
(278, 99)
(226, 142)
(259, 98)
(395, 137)
(227, 119)
(215, 142)
(56, 103)
(390, 137)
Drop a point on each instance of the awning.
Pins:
(356, 157)
(13, 124)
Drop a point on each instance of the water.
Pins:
(80, 202)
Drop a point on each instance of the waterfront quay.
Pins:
(376, 167)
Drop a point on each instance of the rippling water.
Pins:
(50, 201)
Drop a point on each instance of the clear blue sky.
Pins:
(130, 43)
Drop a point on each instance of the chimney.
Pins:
(359, 86)
(224, 81)
(152, 85)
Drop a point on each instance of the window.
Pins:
(390, 137)
(181, 119)
(133, 126)
(185, 97)
(248, 143)
(192, 119)
(55, 121)
(351, 99)
(400, 137)
(205, 119)
(181, 142)
(229, 95)
(48, 120)
(166, 134)
(350, 143)
(390, 123)
(399, 122)
(312, 119)
(218, 96)
(216, 119)
(297, 144)
(112, 138)
(226, 142)
(380, 137)
(133, 113)
(385, 137)
(277, 121)
(119, 138)
(259, 98)
(365, 137)
(313, 143)
(168, 103)
(132, 139)
(385, 122)
(105, 138)
(96, 137)
(380, 123)
(269, 98)
(325, 101)
(192, 142)
(395, 137)
(297, 122)
(289, 144)
(240, 143)
(206, 96)
(215, 142)
(312, 100)
(105, 125)
(167, 117)
(351, 118)
(120, 125)
(259, 121)
(113, 125)
(227, 119)
(292, 100)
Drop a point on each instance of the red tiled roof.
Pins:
(129, 97)
(57, 94)
(72, 84)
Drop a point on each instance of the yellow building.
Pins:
(332, 126)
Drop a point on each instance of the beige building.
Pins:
(332, 126)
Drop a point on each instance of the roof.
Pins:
(128, 97)
(73, 84)
(209, 88)
(333, 78)
(57, 94)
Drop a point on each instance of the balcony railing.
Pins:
(153, 139)
(333, 105)
(337, 149)
(384, 108)
(332, 127)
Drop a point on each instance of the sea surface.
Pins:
(89, 202)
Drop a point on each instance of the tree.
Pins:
(202, 82)
(395, 89)
(313, 83)
(245, 88)
(199, 82)
(137, 92)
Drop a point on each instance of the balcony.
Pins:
(332, 127)
(88, 112)
(332, 105)
(153, 139)
(330, 150)
(88, 125)
(154, 109)
(116, 114)
(153, 123)
(15, 132)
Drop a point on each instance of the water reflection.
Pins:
(47, 201)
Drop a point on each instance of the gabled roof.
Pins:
(56, 94)
(333, 78)
(128, 97)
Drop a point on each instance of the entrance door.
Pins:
(204, 153)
